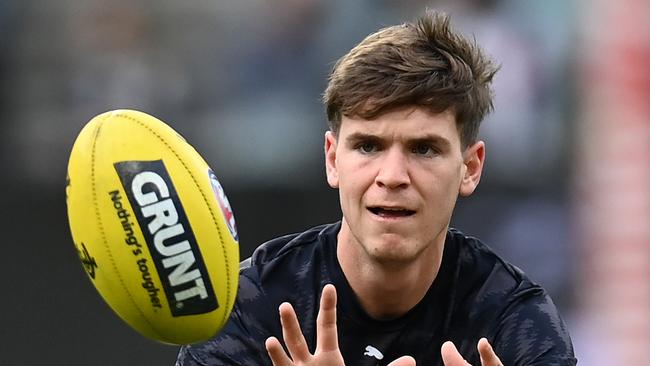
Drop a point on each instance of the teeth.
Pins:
(390, 211)
(395, 209)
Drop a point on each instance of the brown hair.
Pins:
(424, 64)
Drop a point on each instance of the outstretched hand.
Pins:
(327, 344)
(451, 356)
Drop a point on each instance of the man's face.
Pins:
(399, 176)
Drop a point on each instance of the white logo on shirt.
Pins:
(373, 352)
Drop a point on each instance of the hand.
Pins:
(327, 344)
(451, 356)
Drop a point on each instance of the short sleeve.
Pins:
(531, 332)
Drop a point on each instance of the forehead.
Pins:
(404, 123)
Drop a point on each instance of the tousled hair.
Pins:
(425, 64)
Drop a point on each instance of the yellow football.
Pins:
(152, 226)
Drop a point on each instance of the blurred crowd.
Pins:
(242, 80)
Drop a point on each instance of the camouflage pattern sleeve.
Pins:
(532, 333)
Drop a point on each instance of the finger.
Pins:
(451, 356)
(488, 357)
(403, 361)
(276, 352)
(292, 334)
(326, 334)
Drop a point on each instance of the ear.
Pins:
(474, 157)
(330, 159)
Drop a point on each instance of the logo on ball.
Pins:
(169, 237)
(87, 261)
(224, 204)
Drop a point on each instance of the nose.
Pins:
(393, 170)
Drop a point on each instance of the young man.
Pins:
(404, 107)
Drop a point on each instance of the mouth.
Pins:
(391, 212)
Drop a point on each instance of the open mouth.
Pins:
(390, 212)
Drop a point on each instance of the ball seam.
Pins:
(101, 228)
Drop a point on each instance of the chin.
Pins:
(393, 250)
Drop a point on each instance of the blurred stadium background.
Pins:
(566, 194)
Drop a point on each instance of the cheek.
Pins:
(349, 188)
(442, 185)
(354, 181)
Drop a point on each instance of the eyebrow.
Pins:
(360, 136)
(436, 140)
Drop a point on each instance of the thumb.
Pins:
(451, 356)
(403, 361)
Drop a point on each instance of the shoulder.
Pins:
(494, 280)
(508, 306)
(478, 263)
(485, 279)
(289, 255)
(288, 266)
(291, 244)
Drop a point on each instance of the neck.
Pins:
(388, 289)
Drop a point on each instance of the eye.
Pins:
(367, 147)
(422, 149)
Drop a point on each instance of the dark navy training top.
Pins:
(476, 294)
